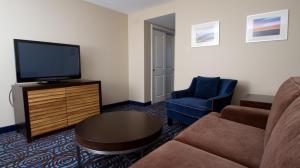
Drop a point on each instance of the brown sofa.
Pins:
(238, 137)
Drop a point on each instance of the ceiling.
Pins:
(127, 6)
(167, 21)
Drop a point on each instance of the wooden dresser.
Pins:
(257, 101)
(43, 108)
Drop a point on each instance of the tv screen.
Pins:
(44, 61)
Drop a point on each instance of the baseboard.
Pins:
(128, 102)
(115, 104)
(8, 129)
(138, 103)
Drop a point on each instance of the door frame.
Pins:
(162, 29)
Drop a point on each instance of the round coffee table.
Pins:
(117, 133)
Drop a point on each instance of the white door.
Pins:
(169, 83)
(162, 66)
(158, 66)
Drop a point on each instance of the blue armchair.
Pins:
(186, 106)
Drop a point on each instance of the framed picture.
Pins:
(267, 26)
(206, 34)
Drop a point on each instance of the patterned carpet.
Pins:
(59, 150)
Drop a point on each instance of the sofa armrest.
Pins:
(246, 115)
(181, 93)
(219, 102)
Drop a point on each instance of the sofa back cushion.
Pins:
(285, 95)
(226, 86)
(283, 147)
(207, 87)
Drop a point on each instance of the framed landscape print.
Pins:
(267, 26)
(206, 34)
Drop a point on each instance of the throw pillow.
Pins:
(207, 87)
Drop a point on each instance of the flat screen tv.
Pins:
(38, 61)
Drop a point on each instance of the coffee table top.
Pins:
(118, 131)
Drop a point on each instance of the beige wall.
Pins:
(101, 33)
(259, 67)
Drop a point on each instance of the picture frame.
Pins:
(267, 26)
(205, 34)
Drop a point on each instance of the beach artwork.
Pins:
(267, 27)
(206, 34)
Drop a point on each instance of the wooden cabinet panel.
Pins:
(40, 96)
(76, 118)
(58, 124)
(46, 92)
(58, 102)
(82, 102)
(42, 108)
(47, 110)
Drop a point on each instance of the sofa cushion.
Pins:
(234, 141)
(193, 107)
(175, 154)
(207, 87)
(283, 147)
(285, 95)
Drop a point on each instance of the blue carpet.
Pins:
(59, 150)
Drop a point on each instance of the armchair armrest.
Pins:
(219, 102)
(246, 115)
(181, 93)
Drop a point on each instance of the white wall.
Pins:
(259, 67)
(101, 33)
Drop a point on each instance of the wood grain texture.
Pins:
(46, 94)
(42, 108)
(76, 118)
(62, 123)
(47, 110)
(82, 102)
(52, 109)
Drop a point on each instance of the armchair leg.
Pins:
(170, 121)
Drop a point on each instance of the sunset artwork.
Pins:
(266, 26)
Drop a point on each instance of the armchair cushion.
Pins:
(207, 87)
(192, 107)
(246, 115)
